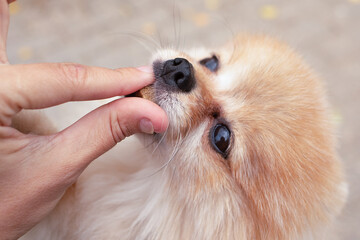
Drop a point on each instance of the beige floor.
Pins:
(110, 33)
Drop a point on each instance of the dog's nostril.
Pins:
(177, 61)
(178, 76)
(182, 81)
(178, 73)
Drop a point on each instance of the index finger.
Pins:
(4, 25)
(34, 86)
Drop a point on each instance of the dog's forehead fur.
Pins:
(254, 71)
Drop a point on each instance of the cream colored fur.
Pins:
(282, 179)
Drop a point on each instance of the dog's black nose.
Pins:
(179, 73)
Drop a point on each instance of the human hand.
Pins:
(36, 170)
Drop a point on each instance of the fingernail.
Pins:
(147, 69)
(146, 126)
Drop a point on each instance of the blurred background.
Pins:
(119, 33)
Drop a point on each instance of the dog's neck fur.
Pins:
(145, 206)
(164, 205)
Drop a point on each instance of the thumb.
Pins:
(101, 129)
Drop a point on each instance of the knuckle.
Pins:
(66, 168)
(74, 73)
(119, 130)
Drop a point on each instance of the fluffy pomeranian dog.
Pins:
(249, 154)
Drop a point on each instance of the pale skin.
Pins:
(35, 171)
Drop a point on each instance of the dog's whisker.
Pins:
(138, 36)
(143, 39)
(183, 139)
(179, 141)
(227, 25)
(175, 151)
(177, 145)
(160, 141)
(148, 38)
(177, 26)
(174, 23)
(160, 39)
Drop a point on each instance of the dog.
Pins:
(249, 154)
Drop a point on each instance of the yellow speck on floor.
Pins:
(14, 8)
(337, 117)
(149, 28)
(25, 53)
(212, 4)
(201, 19)
(269, 12)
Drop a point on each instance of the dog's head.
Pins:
(249, 130)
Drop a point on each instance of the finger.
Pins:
(4, 25)
(101, 129)
(34, 86)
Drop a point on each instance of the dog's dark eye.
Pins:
(211, 63)
(220, 138)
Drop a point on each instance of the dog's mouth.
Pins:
(147, 92)
(174, 80)
(168, 86)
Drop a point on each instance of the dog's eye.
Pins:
(220, 138)
(211, 63)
